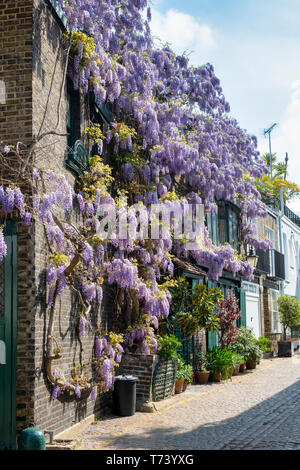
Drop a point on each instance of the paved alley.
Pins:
(257, 410)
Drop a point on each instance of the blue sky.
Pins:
(254, 46)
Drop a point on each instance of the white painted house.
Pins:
(291, 249)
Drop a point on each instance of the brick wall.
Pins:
(32, 66)
(16, 125)
(269, 222)
(49, 113)
(16, 69)
(141, 366)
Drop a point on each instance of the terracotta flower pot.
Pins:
(236, 370)
(179, 386)
(202, 377)
(216, 376)
(251, 365)
(184, 387)
(243, 367)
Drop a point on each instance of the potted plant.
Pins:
(220, 364)
(237, 360)
(202, 369)
(252, 355)
(180, 375)
(263, 343)
(188, 376)
(245, 339)
(289, 312)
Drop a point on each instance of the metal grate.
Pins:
(164, 379)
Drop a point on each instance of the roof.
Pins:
(189, 267)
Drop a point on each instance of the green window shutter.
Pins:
(215, 229)
(211, 221)
(77, 156)
(243, 321)
(78, 159)
(100, 110)
(232, 221)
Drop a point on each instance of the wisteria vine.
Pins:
(171, 140)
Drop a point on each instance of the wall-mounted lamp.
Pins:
(252, 258)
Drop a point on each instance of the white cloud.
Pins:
(182, 31)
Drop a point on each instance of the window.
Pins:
(292, 254)
(73, 114)
(286, 257)
(77, 158)
(270, 236)
(251, 288)
(212, 227)
(275, 323)
(99, 113)
(228, 225)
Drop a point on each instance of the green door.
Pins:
(8, 333)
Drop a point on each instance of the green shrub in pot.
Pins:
(253, 353)
(202, 362)
(245, 340)
(188, 374)
(264, 344)
(180, 374)
(220, 361)
(237, 359)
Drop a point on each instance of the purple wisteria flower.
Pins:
(3, 247)
(94, 393)
(56, 392)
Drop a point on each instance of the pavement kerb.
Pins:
(178, 403)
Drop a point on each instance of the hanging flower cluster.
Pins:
(140, 339)
(108, 352)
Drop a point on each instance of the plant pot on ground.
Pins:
(180, 375)
(251, 364)
(202, 376)
(187, 375)
(236, 370)
(202, 372)
(216, 375)
(185, 385)
(179, 385)
(243, 367)
(220, 362)
(252, 355)
(237, 360)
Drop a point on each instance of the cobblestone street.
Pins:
(257, 410)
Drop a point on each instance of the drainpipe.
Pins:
(280, 233)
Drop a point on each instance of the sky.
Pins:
(254, 46)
